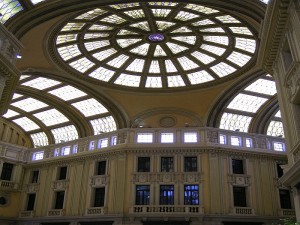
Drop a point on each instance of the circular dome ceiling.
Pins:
(155, 45)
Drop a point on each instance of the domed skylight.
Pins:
(155, 44)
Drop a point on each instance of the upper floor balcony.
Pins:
(200, 137)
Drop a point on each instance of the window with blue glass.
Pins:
(166, 195)
(191, 194)
(142, 196)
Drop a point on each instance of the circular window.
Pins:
(155, 45)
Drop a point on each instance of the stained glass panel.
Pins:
(153, 82)
(275, 128)
(262, 86)
(41, 83)
(128, 80)
(10, 113)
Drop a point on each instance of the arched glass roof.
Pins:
(155, 45)
(241, 110)
(42, 119)
(8, 8)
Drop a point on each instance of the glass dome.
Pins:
(155, 45)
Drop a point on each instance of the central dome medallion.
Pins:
(156, 37)
(154, 45)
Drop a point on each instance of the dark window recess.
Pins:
(30, 202)
(7, 169)
(237, 166)
(142, 196)
(190, 164)
(59, 201)
(62, 173)
(143, 164)
(285, 199)
(279, 170)
(99, 197)
(239, 197)
(167, 164)
(191, 194)
(166, 195)
(35, 176)
(3, 201)
(101, 169)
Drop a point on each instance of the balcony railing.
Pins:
(56, 212)
(185, 209)
(9, 185)
(201, 137)
(25, 214)
(287, 212)
(96, 211)
(243, 211)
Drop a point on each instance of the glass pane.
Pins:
(10, 113)
(167, 138)
(175, 81)
(235, 122)
(41, 83)
(69, 52)
(82, 64)
(275, 128)
(102, 74)
(105, 124)
(200, 77)
(136, 66)
(222, 69)
(205, 59)
(262, 86)
(144, 138)
(201, 9)
(187, 64)
(239, 58)
(51, 117)
(90, 107)
(29, 104)
(247, 103)
(9, 8)
(128, 80)
(153, 82)
(26, 124)
(67, 93)
(64, 134)
(39, 139)
(190, 137)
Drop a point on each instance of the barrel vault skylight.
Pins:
(240, 112)
(155, 45)
(40, 119)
